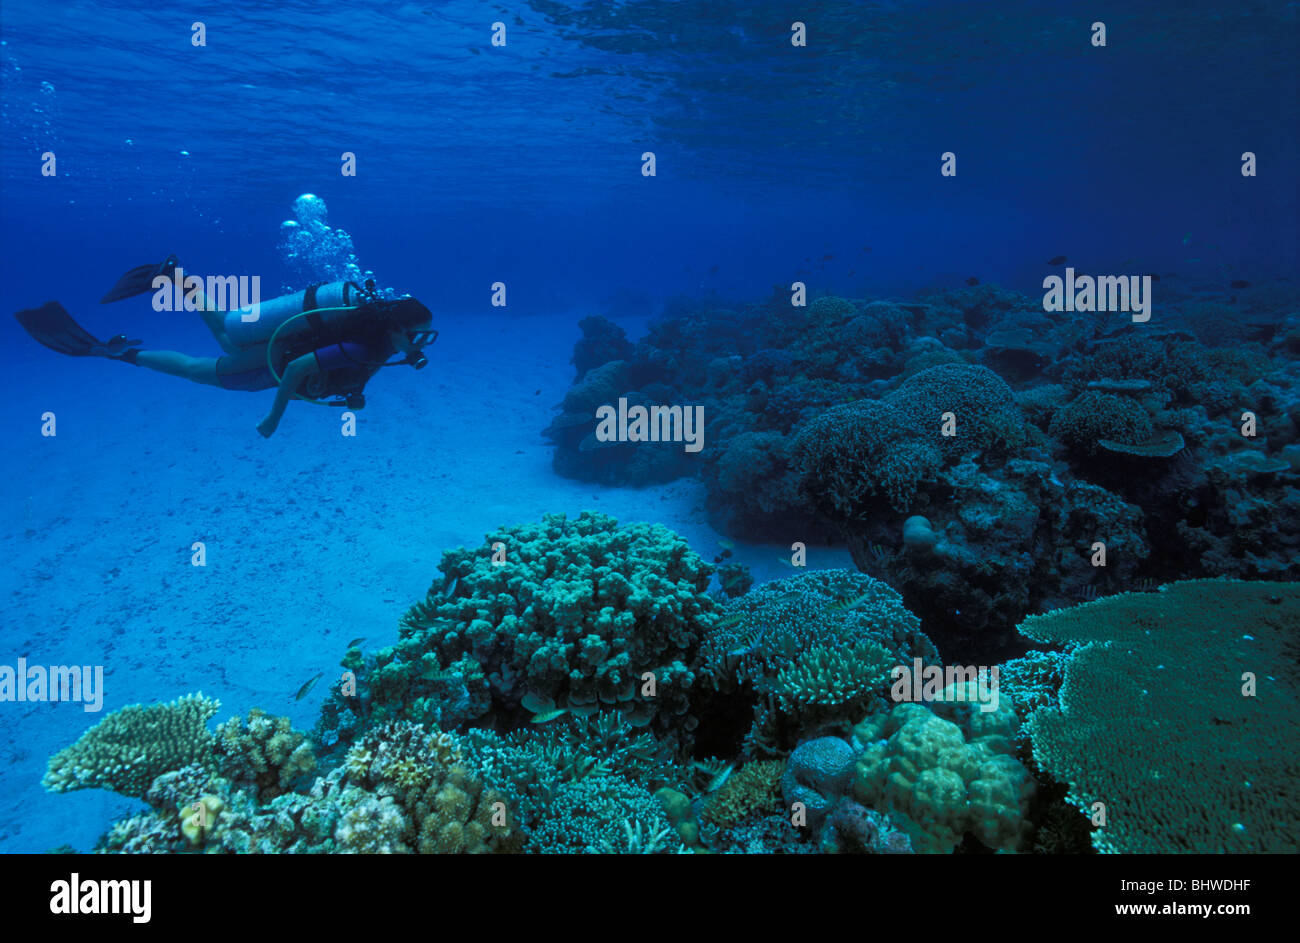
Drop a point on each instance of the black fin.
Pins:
(140, 280)
(51, 325)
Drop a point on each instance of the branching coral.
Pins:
(1094, 416)
(573, 613)
(267, 752)
(594, 815)
(814, 649)
(851, 454)
(126, 750)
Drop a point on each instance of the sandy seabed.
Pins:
(312, 538)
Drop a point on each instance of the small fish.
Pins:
(807, 260)
(724, 542)
(356, 641)
(1056, 260)
(866, 248)
(784, 562)
(972, 281)
(844, 605)
(853, 271)
(1187, 238)
(729, 621)
(547, 716)
(1240, 283)
(451, 588)
(717, 782)
(828, 257)
(306, 688)
(802, 271)
(437, 674)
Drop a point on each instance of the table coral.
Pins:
(126, 750)
(1154, 723)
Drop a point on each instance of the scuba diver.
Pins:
(327, 340)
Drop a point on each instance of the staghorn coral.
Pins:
(575, 615)
(266, 752)
(1153, 721)
(943, 779)
(126, 750)
(602, 814)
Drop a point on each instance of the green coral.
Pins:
(833, 677)
(569, 612)
(603, 814)
(130, 747)
(754, 788)
(266, 752)
(1153, 721)
(945, 779)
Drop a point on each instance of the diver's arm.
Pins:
(297, 371)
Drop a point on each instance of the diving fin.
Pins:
(51, 325)
(140, 279)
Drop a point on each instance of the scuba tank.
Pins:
(273, 314)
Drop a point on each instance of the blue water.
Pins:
(520, 164)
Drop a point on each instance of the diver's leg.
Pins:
(197, 369)
(216, 322)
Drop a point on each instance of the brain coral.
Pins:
(564, 612)
(1154, 722)
(944, 779)
(130, 747)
